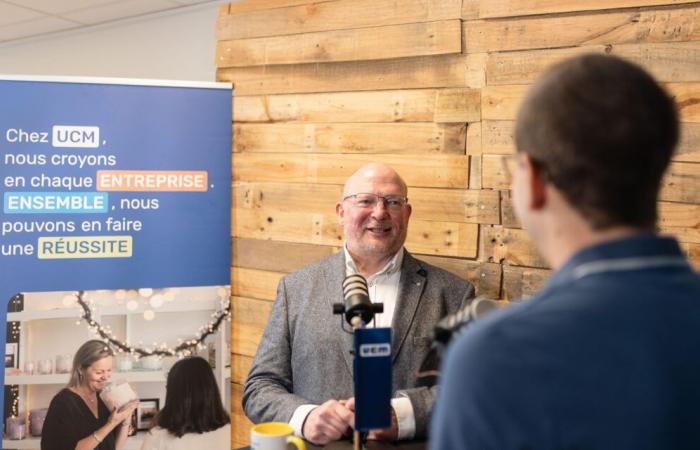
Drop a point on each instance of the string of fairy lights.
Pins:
(183, 349)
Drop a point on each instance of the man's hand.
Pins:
(386, 434)
(328, 422)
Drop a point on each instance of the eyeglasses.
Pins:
(369, 201)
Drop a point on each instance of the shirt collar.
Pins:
(392, 266)
(649, 247)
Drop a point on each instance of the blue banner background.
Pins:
(185, 242)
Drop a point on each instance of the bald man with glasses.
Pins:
(302, 372)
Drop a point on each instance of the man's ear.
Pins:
(538, 186)
(339, 212)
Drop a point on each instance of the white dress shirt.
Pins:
(383, 288)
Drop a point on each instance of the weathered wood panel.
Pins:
(447, 205)
(508, 217)
(240, 366)
(403, 73)
(667, 62)
(258, 5)
(679, 215)
(688, 149)
(396, 138)
(683, 234)
(501, 103)
(338, 15)
(514, 247)
(415, 105)
(257, 284)
(497, 137)
(475, 172)
(393, 41)
(681, 183)
(523, 282)
(486, 277)
(251, 318)
(493, 172)
(276, 256)
(424, 237)
(687, 97)
(608, 27)
(474, 138)
(445, 171)
(512, 8)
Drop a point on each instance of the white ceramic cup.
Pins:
(274, 436)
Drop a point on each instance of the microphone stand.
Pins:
(356, 323)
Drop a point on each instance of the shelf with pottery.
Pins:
(74, 312)
(34, 443)
(143, 376)
(50, 315)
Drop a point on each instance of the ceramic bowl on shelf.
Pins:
(124, 363)
(151, 362)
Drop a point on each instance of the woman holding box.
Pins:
(77, 417)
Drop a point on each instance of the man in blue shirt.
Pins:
(607, 356)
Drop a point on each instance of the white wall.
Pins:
(176, 45)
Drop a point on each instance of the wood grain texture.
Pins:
(259, 5)
(494, 175)
(443, 171)
(497, 137)
(240, 366)
(337, 15)
(501, 103)
(424, 237)
(486, 277)
(687, 98)
(667, 62)
(396, 138)
(509, 246)
(402, 73)
(257, 284)
(251, 318)
(360, 44)
(512, 8)
(523, 282)
(681, 183)
(276, 256)
(447, 205)
(688, 148)
(605, 27)
(410, 105)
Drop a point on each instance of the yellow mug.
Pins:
(274, 436)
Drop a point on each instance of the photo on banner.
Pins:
(115, 225)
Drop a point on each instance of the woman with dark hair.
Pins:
(193, 416)
(77, 417)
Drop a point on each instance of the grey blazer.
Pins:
(304, 356)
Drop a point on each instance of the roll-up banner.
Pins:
(115, 225)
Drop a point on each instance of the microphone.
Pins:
(451, 326)
(356, 301)
(447, 329)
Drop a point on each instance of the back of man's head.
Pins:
(602, 131)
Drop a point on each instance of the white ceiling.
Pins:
(27, 18)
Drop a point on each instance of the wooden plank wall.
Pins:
(432, 88)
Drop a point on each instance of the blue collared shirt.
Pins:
(607, 356)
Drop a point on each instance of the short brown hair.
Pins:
(602, 131)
